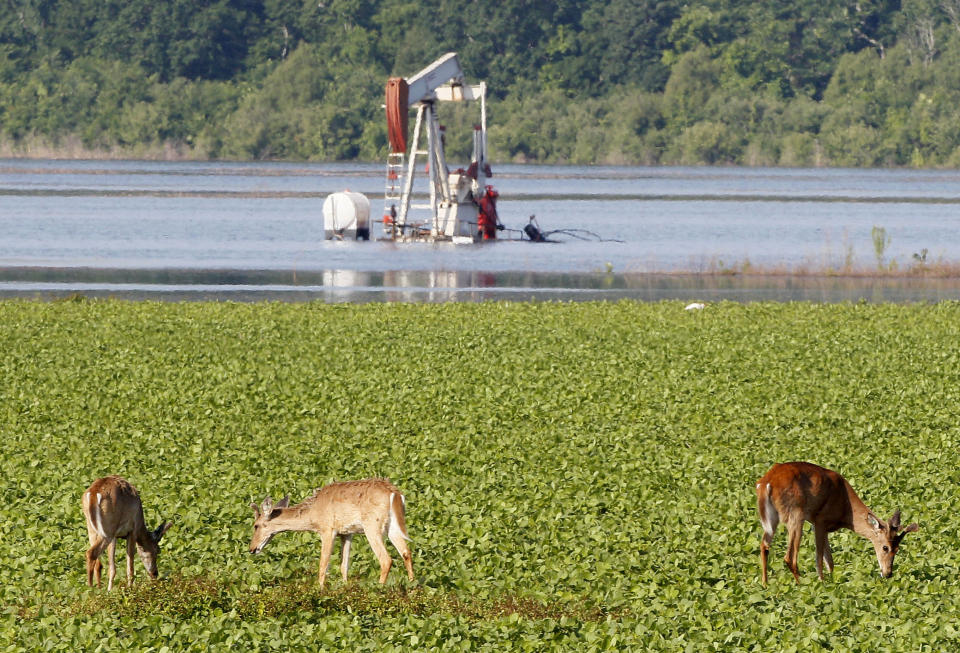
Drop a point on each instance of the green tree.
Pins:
(305, 110)
(179, 38)
(693, 79)
(626, 38)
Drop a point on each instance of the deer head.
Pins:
(149, 548)
(263, 529)
(886, 538)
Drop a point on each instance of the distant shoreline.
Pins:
(70, 148)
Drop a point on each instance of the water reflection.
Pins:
(432, 286)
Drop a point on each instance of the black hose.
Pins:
(576, 233)
(535, 235)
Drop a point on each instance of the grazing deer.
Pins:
(796, 492)
(374, 507)
(112, 509)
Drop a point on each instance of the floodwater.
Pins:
(251, 231)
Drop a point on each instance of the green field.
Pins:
(578, 476)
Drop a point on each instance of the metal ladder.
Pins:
(394, 186)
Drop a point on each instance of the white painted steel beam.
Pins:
(460, 93)
(422, 85)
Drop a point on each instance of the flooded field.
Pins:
(254, 231)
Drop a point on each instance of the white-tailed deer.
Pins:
(796, 492)
(374, 507)
(112, 509)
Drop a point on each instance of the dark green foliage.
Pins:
(305, 110)
(836, 82)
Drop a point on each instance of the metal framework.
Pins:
(454, 198)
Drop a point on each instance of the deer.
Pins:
(112, 510)
(798, 491)
(374, 507)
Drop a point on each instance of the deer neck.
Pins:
(858, 516)
(290, 519)
(142, 537)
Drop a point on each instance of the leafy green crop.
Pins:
(578, 476)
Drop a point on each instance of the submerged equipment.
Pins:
(535, 234)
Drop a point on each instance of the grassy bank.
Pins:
(71, 147)
(578, 475)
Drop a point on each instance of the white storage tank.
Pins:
(346, 216)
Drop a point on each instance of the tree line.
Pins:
(777, 82)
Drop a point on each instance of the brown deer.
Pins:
(374, 507)
(796, 492)
(112, 509)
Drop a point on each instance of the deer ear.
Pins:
(256, 509)
(267, 506)
(873, 521)
(284, 502)
(895, 521)
(912, 528)
(161, 529)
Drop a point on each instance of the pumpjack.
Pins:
(462, 207)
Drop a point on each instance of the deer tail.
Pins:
(769, 517)
(96, 516)
(398, 522)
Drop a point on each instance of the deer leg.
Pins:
(345, 555)
(764, 553)
(92, 537)
(131, 548)
(823, 550)
(112, 559)
(326, 549)
(375, 538)
(97, 545)
(769, 519)
(795, 532)
(396, 537)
